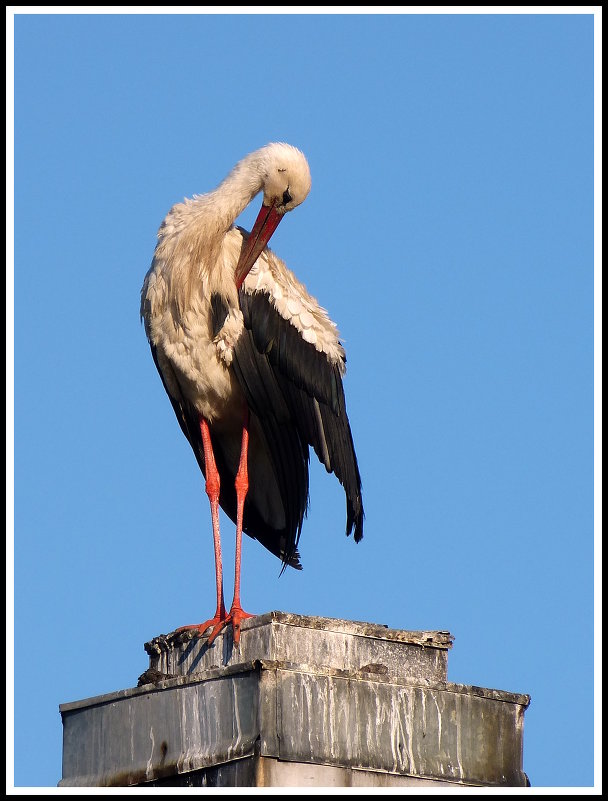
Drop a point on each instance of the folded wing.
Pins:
(296, 393)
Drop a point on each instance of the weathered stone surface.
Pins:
(447, 732)
(134, 736)
(326, 642)
(368, 720)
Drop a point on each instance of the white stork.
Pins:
(252, 364)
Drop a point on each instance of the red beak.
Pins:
(264, 228)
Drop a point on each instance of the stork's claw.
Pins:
(215, 622)
(236, 615)
(219, 622)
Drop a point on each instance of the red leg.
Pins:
(212, 487)
(236, 614)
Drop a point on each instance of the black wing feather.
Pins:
(219, 312)
(297, 393)
(288, 454)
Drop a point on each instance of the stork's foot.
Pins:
(236, 616)
(216, 624)
(219, 622)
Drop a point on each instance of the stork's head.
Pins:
(287, 176)
(286, 183)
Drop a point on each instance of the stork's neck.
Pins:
(192, 234)
(237, 191)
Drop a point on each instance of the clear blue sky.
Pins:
(449, 232)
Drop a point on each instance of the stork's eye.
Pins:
(287, 198)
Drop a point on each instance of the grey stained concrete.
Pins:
(302, 701)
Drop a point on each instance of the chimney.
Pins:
(300, 702)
